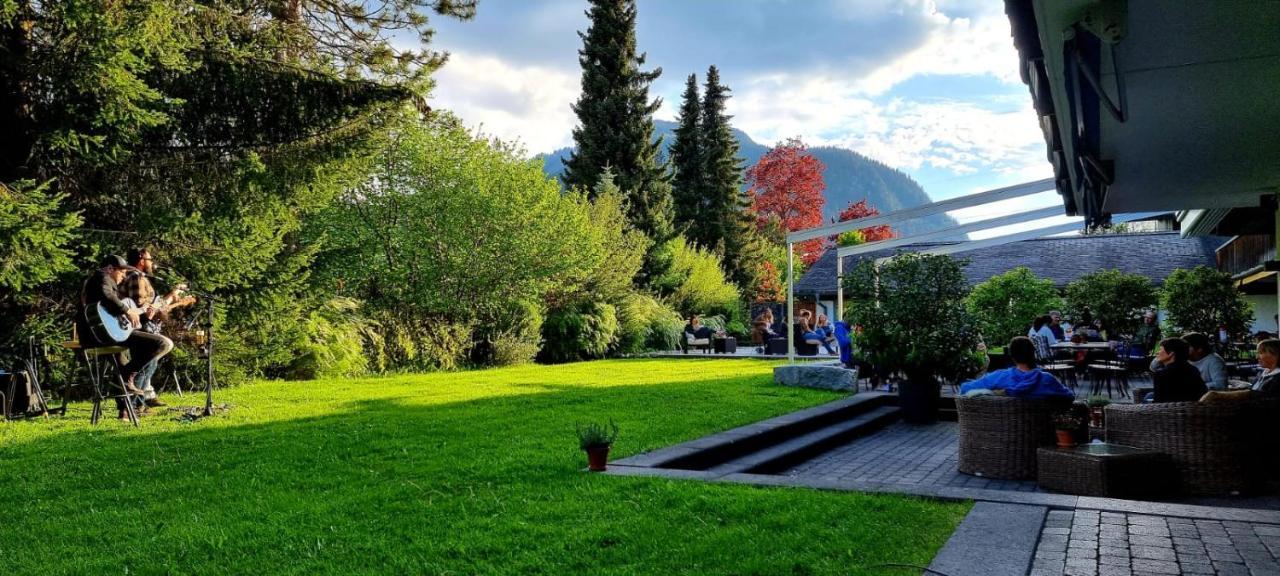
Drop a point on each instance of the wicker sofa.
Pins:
(1217, 448)
(999, 435)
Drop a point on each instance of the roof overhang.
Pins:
(1155, 106)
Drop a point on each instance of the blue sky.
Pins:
(928, 87)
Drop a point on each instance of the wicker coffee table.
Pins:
(1107, 470)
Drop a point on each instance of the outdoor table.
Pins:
(1105, 470)
(725, 345)
(1082, 346)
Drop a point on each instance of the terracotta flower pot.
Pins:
(1065, 439)
(597, 457)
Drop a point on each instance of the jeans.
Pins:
(143, 379)
(821, 338)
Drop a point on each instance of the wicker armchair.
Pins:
(1217, 448)
(999, 435)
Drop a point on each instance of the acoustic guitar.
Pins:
(107, 327)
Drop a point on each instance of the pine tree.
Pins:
(616, 119)
(731, 228)
(686, 166)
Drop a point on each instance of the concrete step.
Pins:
(784, 455)
(717, 449)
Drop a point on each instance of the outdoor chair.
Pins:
(999, 435)
(105, 377)
(1219, 448)
(691, 341)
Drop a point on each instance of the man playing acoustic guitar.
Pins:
(103, 287)
(137, 286)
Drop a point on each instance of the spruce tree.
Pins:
(616, 119)
(686, 168)
(729, 223)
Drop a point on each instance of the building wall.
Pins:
(1264, 311)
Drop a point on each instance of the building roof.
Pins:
(1064, 259)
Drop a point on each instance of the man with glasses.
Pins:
(137, 286)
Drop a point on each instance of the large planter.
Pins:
(918, 399)
(598, 457)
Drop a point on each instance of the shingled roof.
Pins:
(1154, 255)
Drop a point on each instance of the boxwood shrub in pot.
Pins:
(913, 320)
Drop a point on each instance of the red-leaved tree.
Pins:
(854, 211)
(787, 183)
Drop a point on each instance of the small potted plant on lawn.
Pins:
(1096, 405)
(1066, 424)
(596, 439)
(914, 321)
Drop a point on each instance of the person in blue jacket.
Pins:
(1024, 379)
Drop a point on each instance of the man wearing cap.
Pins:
(103, 287)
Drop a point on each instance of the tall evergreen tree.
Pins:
(616, 119)
(686, 167)
(730, 226)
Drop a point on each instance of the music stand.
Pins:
(205, 318)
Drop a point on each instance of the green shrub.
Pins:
(513, 337)
(912, 313)
(339, 342)
(1006, 304)
(1202, 299)
(579, 332)
(1116, 298)
(645, 323)
(694, 282)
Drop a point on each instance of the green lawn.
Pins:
(461, 473)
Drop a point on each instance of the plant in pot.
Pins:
(1066, 424)
(596, 439)
(1096, 406)
(912, 313)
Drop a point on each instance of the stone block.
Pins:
(821, 377)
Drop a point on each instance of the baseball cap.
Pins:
(115, 261)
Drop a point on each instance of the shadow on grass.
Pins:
(483, 485)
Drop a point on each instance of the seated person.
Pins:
(696, 328)
(1175, 379)
(827, 331)
(1213, 369)
(762, 327)
(1023, 379)
(1268, 382)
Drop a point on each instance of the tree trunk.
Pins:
(15, 85)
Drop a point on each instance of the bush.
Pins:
(581, 332)
(513, 338)
(1202, 299)
(1116, 298)
(694, 281)
(913, 316)
(1005, 305)
(339, 342)
(645, 323)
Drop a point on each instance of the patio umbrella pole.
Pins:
(791, 304)
(839, 288)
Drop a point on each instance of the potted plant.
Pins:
(1066, 424)
(914, 321)
(596, 439)
(1096, 405)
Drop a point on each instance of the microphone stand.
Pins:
(207, 325)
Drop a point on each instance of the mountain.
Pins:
(849, 177)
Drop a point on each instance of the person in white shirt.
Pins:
(1213, 369)
(1041, 328)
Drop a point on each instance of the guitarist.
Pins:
(137, 286)
(103, 287)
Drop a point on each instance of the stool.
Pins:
(98, 373)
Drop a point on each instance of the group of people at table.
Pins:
(1184, 369)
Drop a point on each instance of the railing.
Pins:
(1243, 253)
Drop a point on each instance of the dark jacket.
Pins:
(1178, 382)
(99, 288)
(1268, 386)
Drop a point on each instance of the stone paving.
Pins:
(1093, 543)
(903, 454)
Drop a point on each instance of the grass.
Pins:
(458, 473)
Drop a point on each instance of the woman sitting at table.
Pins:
(1023, 379)
(1041, 328)
(828, 333)
(1176, 380)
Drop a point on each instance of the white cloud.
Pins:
(529, 104)
(961, 137)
